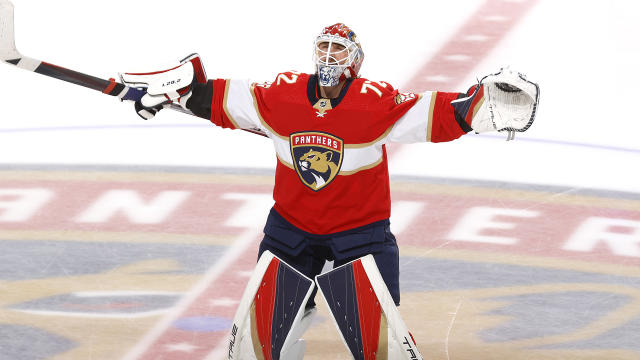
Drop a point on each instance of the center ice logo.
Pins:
(317, 157)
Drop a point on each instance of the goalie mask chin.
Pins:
(330, 75)
(337, 55)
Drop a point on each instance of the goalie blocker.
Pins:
(166, 87)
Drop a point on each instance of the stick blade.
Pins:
(8, 49)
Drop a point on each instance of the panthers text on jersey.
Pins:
(332, 172)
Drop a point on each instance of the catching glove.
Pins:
(505, 101)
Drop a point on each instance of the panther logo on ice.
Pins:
(317, 158)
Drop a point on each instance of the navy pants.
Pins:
(308, 253)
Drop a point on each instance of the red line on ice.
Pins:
(229, 285)
(468, 46)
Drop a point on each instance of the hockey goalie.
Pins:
(332, 200)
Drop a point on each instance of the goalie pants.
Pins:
(308, 252)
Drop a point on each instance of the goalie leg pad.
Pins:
(298, 347)
(365, 313)
(271, 316)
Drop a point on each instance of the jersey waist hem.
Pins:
(383, 222)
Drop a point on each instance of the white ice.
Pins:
(584, 54)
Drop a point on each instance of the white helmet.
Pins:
(333, 65)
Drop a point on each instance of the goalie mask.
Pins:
(337, 55)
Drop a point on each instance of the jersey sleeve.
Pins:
(431, 118)
(226, 103)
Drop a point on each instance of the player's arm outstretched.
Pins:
(505, 101)
(226, 103)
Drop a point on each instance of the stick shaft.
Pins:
(109, 87)
(72, 76)
(10, 55)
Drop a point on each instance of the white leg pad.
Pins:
(364, 312)
(271, 316)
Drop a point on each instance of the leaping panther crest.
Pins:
(317, 158)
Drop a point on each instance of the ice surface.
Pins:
(521, 250)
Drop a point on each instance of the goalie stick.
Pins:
(10, 55)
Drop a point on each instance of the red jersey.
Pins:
(332, 172)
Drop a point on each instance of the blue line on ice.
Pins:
(168, 126)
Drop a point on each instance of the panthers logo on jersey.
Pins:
(317, 157)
